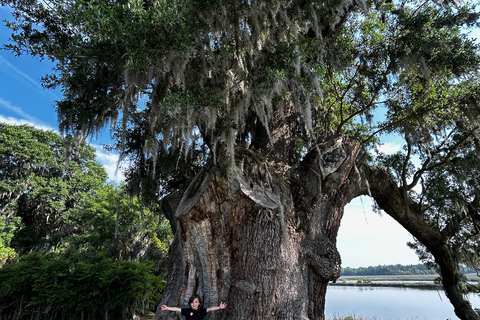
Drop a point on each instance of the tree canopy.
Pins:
(49, 204)
(38, 185)
(226, 71)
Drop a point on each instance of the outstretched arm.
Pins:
(222, 305)
(164, 307)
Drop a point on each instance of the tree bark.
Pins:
(261, 236)
(394, 201)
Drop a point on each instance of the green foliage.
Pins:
(6, 254)
(118, 226)
(432, 103)
(98, 253)
(57, 288)
(39, 186)
(7, 231)
(49, 204)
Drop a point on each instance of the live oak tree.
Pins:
(259, 120)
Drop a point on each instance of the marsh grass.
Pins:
(409, 278)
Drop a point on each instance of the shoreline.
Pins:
(416, 285)
(426, 282)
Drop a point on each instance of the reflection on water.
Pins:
(390, 303)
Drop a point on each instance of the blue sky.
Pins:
(24, 101)
(365, 238)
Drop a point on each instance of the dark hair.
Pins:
(193, 297)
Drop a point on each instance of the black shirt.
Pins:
(191, 314)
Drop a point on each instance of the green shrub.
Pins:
(42, 288)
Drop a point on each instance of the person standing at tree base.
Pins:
(195, 311)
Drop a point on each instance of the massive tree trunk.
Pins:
(395, 202)
(261, 236)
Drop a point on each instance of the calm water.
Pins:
(390, 303)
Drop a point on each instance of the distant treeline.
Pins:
(396, 269)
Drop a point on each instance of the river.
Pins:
(390, 303)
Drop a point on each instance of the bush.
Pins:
(42, 288)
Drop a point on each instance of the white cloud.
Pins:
(418, 188)
(109, 160)
(31, 121)
(389, 148)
